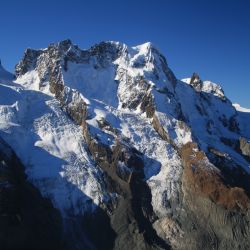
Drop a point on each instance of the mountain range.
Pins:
(105, 148)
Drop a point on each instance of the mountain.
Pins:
(126, 155)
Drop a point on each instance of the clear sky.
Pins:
(211, 37)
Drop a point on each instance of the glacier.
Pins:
(82, 119)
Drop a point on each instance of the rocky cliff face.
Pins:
(27, 220)
(137, 158)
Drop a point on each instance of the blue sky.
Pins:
(205, 36)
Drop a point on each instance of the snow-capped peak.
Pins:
(241, 109)
(144, 48)
(112, 127)
(147, 49)
(205, 86)
(213, 88)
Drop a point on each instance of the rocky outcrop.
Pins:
(161, 131)
(245, 146)
(196, 82)
(28, 62)
(132, 215)
(213, 215)
(205, 179)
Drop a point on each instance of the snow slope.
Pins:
(243, 120)
(51, 147)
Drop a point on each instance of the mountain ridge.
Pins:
(148, 149)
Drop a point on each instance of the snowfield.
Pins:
(51, 148)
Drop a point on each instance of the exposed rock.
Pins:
(147, 105)
(161, 131)
(106, 126)
(216, 215)
(28, 62)
(196, 82)
(245, 146)
(133, 215)
(207, 180)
